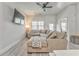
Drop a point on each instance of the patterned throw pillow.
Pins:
(49, 34)
(36, 41)
(53, 35)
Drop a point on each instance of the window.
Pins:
(41, 25)
(34, 25)
(51, 27)
(37, 25)
(62, 25)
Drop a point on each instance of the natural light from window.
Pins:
(37, 25)
(51, 27)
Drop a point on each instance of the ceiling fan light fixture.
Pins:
(44, 5)
(44, 9)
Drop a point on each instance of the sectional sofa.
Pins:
(54, 41)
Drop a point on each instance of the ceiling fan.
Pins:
(44, 5)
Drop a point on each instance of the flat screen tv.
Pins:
(18, 18)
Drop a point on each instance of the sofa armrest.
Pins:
(57, 44)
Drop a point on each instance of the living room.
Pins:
(39, 28)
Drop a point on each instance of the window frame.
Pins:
(39, 25)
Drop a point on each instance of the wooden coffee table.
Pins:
(30, 49)
(37, 50)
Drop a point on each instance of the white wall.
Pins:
(77, 17)
(9, 32)
(69, 12)
(0, 25)
(48, 19)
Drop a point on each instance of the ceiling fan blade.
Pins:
(45, 3)
(49, 6)
(39, 4)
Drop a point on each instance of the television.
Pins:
(18, 18)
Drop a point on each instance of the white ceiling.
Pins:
(32, 8)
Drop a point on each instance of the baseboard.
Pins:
(2, 51)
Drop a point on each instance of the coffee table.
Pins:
(43, 49)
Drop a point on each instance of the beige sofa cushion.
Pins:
(35, 34)
(49, 34)
(53, 35)
(61, 35)
(43, 31)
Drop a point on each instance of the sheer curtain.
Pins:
(51, 27)
(62, 25)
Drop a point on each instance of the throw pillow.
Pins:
(61, 35)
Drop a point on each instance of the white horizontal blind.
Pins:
(37, 25)
(40, 25)
(34, 25)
